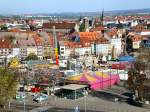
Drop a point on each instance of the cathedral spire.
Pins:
(102, 17)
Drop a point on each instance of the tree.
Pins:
(14, 63)
(31, 56)
(32, 28)
(82, 27)
(3, 28)
(8, 86)
(10, 38)
(139, 75)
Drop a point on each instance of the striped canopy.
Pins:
(90, 77)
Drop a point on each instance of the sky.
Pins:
(58, 6)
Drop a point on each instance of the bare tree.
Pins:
(139, 74)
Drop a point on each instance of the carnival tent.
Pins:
(36, 90)
(84, 77)
(126, 58)
(96, 80)
(122, 65)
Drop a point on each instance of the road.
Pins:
(20, 106)
(100, 101)
(93, 104)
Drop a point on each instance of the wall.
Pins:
(102, 49)
(117, 44)
(31, 50)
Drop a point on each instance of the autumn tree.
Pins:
(8, 86)
(3, 27)
(14, 63)
(10, 38)
(31, 56)
(139, 75)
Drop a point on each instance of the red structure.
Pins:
(36, 89)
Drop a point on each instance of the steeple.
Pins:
(102, 20)
(102, 17)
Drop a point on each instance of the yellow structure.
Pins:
(14, 63)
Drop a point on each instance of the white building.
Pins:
(73, 48)
(15, 53)
(40, 52)
(116, 42)
(83, 51)
(31, 49)
(145, 33)
(101, 49)
(134, 23)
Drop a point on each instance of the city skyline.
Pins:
(57, 6)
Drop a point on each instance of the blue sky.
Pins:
(52, 6)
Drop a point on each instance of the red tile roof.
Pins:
(59, 25)
(88, 36)
(15, 30)
(75, 44)
(37, 39)
(112, 32)
(5, 44)
(26, 42)
(137, 38)
(82, 44)
(98, 28)
(51, 39)
(138, 28)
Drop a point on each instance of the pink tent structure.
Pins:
(96, 80)
(105, 80)
(86, 78)
(121, 65)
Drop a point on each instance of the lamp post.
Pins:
(102, 78)
(85, 105)
(5, 61)
(110, 77)
(147, 78)
(24, 105)
(85, 102)
(125, 46)
(24, 102)
(9, 104)
(118, 66)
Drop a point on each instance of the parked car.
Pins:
(20, 96)
(41, 97)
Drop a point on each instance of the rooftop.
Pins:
(58, 25)
(5, 44)
(74, 86)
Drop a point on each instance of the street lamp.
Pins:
(102, 78)
(9, 104)
(147, 78)
(24, 102)
(24, 105)
(85, 105)
(5, 61)
(118, 67)
(110, 77)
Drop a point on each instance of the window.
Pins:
(62, 52)
(62, 48)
